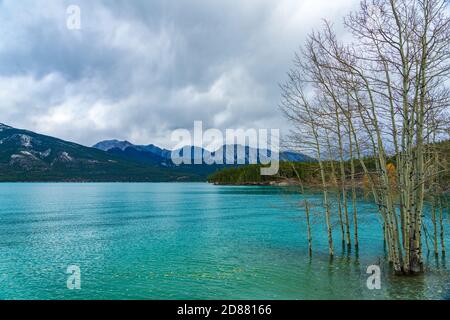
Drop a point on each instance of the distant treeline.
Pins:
(251, 174)
(308, 172)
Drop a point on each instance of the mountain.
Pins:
(296, 157)
(151, 154)
(111, 144)
(29, 156)
(155, 156)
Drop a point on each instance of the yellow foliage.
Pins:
(392, 174)
(365, 181)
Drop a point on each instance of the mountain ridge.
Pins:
(154, 152)
(26, 156)
(29, 156)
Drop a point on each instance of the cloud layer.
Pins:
(139, 69)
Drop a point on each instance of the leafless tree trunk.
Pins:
(391, 81)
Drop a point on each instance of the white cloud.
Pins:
(139, 69)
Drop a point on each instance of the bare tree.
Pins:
(387, 92)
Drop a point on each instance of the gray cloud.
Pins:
(139, 69)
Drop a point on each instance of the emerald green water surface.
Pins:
(187, 241)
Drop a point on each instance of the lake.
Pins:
(188, 241)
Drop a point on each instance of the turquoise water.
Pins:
(186, 241)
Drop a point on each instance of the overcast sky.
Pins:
(137, 70)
